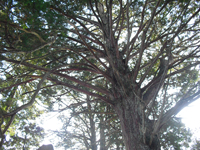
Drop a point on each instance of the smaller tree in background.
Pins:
(92, 124)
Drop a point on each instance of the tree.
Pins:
(140, 57)
(91, 124)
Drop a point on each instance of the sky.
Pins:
(190, 117)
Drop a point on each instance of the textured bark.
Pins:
(93, 134)
(102, 136)
(131, 123)
(92, 127)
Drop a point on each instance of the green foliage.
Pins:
(26, 137)
(196, 145)
(175, 136)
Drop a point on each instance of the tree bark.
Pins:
(102, 135)
(92, 127)
(130, 117)
(93, 134)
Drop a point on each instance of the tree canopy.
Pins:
(139, 57)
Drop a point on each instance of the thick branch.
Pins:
(83, 91)
(16, 26)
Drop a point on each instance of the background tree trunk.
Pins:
(102, 135)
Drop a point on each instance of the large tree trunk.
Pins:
(130, 116)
